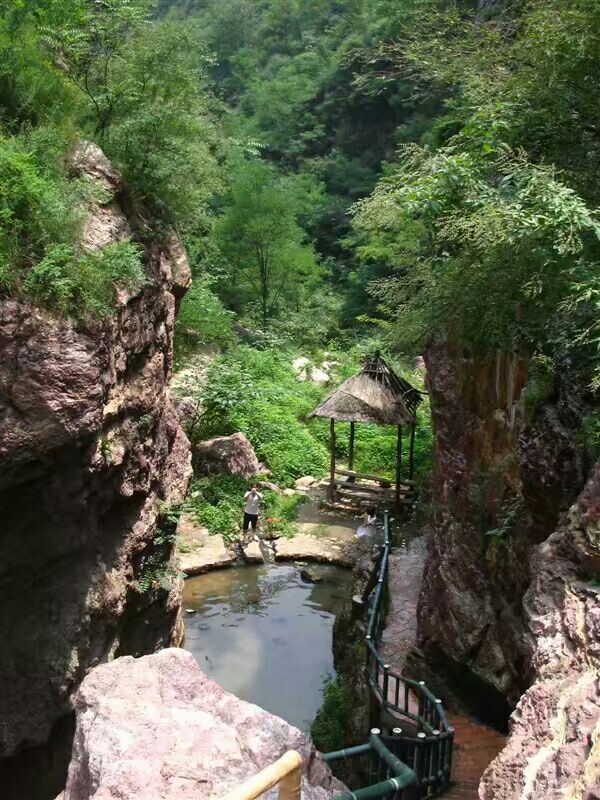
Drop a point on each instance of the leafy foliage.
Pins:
(110, 71)
(528, 234)
(202, 317)
(329, 729)
(257, 393)
(263, 242)
(40, 223)
(218, 504)
(492, 230)
(86, 282)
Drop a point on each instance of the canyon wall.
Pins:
(553, 751)
(508, 462)
(92, 459)
(509, 601)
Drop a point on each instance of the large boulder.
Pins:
(306, 370)
(157, 727)
(232, 454)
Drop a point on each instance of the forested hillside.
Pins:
(342, 172)
(258, 130)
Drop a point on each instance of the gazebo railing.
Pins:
(421, 735)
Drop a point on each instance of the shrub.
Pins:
(218, 504)
(86, 282)
(39, 226)
(256, 392)
(202, 317)
(37, 203)
(329, 729)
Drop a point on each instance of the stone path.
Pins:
(475, 745)
(322, 537)
(405, 575)
(201, 551)
(328, 548)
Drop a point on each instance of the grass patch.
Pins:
(329, 729)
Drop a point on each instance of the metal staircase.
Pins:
(409, 756)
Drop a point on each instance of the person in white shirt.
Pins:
(369, 526)
(253, 499)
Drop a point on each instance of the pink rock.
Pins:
(232, 454)
(157, 727)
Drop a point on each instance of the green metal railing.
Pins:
(417, 731)
(388, 776)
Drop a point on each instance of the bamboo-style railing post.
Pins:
(286, 772)
(291, 784)
(351, 447)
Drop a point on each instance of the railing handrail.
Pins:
(286, 772)
(401, 777)
(435, 733)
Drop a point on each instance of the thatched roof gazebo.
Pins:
(379, 396)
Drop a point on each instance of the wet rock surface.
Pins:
(90, 445)
(187, 740)
(199, 550)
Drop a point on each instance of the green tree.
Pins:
(492, 231)
(142, 83)
(263, 242)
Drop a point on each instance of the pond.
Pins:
(265, 634)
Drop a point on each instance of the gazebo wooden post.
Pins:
(411, 452)
(332, 464)
(351, 447)
(398, 465)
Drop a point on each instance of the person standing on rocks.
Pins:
(253, 499)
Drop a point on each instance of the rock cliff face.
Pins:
(554, 748)
(90, 453)
(502, 479)
(188, 740)
(510, 591)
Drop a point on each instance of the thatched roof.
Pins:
(376, 394)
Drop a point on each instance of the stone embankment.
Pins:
(320, 536)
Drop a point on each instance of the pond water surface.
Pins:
(264, 634)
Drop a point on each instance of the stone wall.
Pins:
(89, 449)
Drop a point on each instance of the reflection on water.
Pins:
(264, 634)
